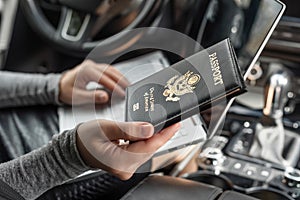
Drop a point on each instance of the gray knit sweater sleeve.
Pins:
(22, 89)
(38, 171)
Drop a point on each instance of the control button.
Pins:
(249, 172)
(237, 165)
(247, 124)
(265, 173)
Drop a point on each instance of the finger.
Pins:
(111, 85)
(86, 97)
(96, 72)
(118, 77)
(115, 75)
(132, 131)
(154, 143)
(111, 72)
(95, 75)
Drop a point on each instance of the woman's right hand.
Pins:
(98, 145)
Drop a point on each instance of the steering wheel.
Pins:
(83, 24)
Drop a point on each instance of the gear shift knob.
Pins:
(276, 91)
(270, 134)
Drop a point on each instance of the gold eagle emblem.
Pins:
(180, 85)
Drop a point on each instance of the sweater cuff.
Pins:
(53, 81)
(76, 152)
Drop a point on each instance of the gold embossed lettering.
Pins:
(215, 67)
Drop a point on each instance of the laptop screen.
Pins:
(268, 15)
(249, 25)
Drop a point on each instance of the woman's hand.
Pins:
(73, 83)
(98, 144)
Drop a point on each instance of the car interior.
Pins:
(252, 150)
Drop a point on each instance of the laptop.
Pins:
(193, 130)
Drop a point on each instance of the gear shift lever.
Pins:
(269, 137)
(276, 97)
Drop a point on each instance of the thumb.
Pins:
(90, 96)
(132, 131)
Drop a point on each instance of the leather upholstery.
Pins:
(170, 188)
(231, 195)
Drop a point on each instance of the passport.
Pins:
(186, 88)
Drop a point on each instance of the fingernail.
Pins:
(102, 97)
(147, 130)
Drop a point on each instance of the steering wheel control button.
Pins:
(74, 25)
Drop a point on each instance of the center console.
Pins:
(253, 177)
